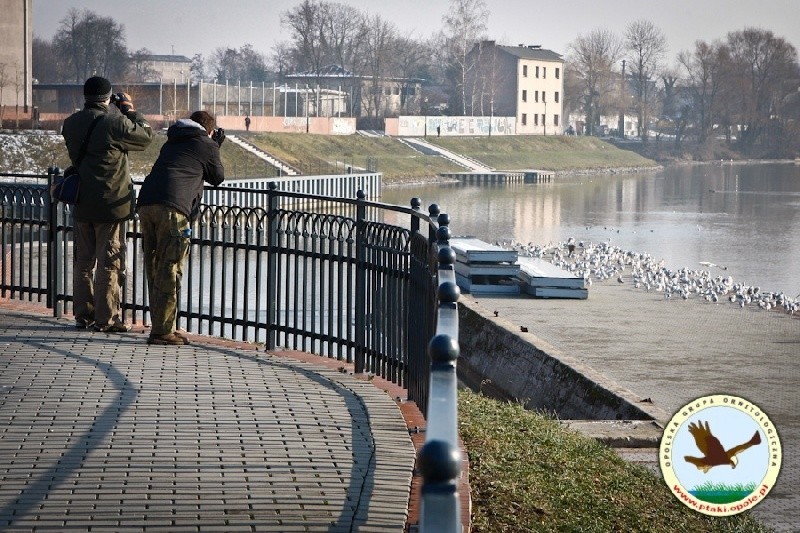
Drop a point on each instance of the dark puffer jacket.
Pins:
(106, 187)
(188, 158)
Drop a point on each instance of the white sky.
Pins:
(200, 26)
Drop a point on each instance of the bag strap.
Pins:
(86, 140)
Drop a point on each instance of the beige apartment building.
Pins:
(526, 82)
(16, 36)
(168, 68)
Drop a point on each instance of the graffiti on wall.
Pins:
(450, 126)
(343, 126)
(294, 123)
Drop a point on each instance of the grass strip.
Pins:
(529, 474)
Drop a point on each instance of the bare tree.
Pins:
(198, 67)
(5, 79)
(46, 65)
(465, 24)
(703, 67)
(487, 80)
(243, 64)
(591, 63)
(19, 85)
(379, 44)
(307, 23)
(344, 27)
(91, 45)
(140, 68)
(646, 46)
(760, 67)
(411, 64)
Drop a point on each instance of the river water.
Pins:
(744, 218)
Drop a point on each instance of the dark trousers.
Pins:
(98, 271)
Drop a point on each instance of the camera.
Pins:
(116, 98)
(218, 135)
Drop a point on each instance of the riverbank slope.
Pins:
(321, 154)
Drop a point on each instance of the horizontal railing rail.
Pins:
(439, 459)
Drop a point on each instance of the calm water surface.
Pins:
(745, 217)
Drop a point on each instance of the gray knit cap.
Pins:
(96, 89)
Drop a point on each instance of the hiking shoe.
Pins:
(81, 323)
(167, 339)
(113, 328)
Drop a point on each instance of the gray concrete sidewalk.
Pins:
(105, 433)
(672, 351)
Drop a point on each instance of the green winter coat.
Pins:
(106, 188)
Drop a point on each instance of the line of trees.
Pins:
(320, 34)
(743, 88)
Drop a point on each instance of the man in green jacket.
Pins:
(106, 202)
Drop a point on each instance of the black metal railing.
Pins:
(369, 283)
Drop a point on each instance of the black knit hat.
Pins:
(96, 89)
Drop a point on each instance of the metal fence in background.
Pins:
(360, 281)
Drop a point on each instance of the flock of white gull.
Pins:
(602, 261)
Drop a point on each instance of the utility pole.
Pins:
(491, 115)
(621, 121)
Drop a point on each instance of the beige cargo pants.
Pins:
(165, 243)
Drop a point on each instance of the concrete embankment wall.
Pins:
(506, 363)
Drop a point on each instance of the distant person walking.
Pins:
(247, 122)
(168, 202)
(106, 201)
(438, 131)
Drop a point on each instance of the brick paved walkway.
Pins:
(104, 433)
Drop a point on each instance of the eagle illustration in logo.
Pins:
(713, 452)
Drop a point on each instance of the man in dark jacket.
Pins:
(168, 203)
(106, 202)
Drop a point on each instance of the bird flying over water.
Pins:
(713, 452)
(708, 264)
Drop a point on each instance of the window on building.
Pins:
(536, 96)
(535, 119)
(555, 120)
(524, 95)
(544, 72)
(525, 118)
(556, 96)
(558, 73)
(524, 71)
(388, 91)
(537, 72)
(544, 123)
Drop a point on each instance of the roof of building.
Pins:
(169, 58)
(337, 71)
(531, 52)
(328, 71)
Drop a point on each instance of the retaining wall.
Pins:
(506, 363)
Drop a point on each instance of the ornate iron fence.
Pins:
(364, 282)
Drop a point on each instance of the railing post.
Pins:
(416, 203)
(53, 272)
(272, 264)
(361, 284)
(433, 211)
